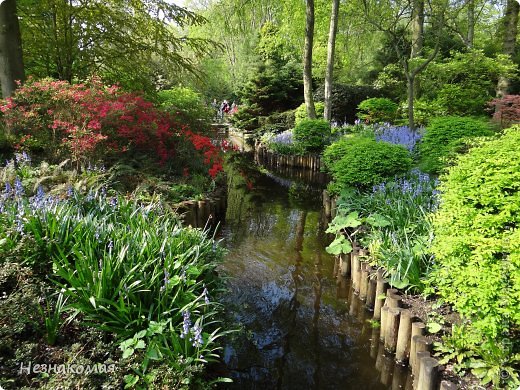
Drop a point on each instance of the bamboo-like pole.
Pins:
(371, 293)
(333, 207)
(381, 287)
(387, 368)
(428, 374)
(384, 314)
(374, 343)
(392, 327)
(422, 344)
(402, 352)
(418, 329)
(356, 272)
(344, 264)
(326, 203)
(399, 377)
(363, 288)
(392, 299)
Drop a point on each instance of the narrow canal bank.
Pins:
(300, 326)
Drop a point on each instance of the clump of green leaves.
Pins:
(312, 135)
(356, 161)
(447, 136)
(377, 110)
(477, 250)
(300, 114)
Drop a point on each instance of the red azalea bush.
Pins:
(506, 110)
(92, 121)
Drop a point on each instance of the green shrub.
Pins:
(377, 110)
(186, 103)
(363, 162)
(445, 137)
(301, 112)
(312, 135)
(477, 250)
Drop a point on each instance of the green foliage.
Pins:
(392, 222)
(312, 135)
(477, 250)
(274, 87)
(445, 137)
(187, 104)
(356, 161)
(463, 84)
(71, 41)
(345, 99)
(301, 112)
(377, 110)
(123, 265)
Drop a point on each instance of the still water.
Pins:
(301, 326)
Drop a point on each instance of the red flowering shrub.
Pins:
(506, 110)
(90, 120)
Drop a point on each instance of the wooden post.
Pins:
(418, 329)
(428, 374)
(422, 344)
(344, 264)
(392, 299)
(374, 343)
(333, 207)
(354, 303)
(384, 313)
(386, 370)
(371, 293)
(326, 203)
(363, 288)
(392, 327)
(402, 352)
(381, 287)
(399, 377)
(415, 371)
(356, 273)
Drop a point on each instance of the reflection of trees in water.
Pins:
(293, 304)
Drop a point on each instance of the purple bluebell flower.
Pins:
(110, 244)
(206, 295)
(197, 336)
(186, 323)
(398, 135)
(18, 187)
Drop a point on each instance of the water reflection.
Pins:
(303, 328)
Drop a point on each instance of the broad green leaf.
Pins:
(338, 246)
(377, 220)
(434, 327)
(127, 352)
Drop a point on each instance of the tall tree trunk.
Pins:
(410, 78)
(417, 28)
(471, 23)
(509, 43)
(307, 60)
(331, 47)
(417, 36)
(11, 61)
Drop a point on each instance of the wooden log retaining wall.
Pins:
(402, 337)
(205, 213)
(267, 157)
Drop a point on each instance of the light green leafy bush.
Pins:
(377, 110)
(362, 162)
(477, 251)
(312, 135)
(186, 103)
(445, 137)
(300, 114)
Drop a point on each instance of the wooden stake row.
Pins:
(202, 213)
(268, 157)
(399, 334)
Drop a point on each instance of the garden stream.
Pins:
(301, 327)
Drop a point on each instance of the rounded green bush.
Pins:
(445, 137)
(477, 245)
(312, 135)
(300, 114)
(377, 110)
(363, 162)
